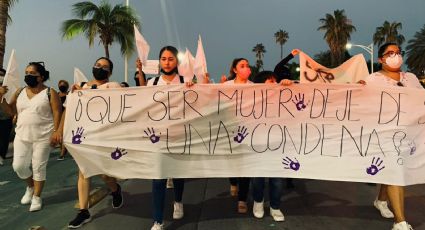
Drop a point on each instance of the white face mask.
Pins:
(395, 61)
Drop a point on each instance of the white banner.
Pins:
(11, 79)
(79, 76)
(317, 131)
(351, 71)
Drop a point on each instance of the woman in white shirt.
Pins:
(389, 56)
(38, 110)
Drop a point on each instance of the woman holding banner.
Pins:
(38, 110)
(239, 74)
(390, 57)
(102, 71)
(275, 184)
(168, 66)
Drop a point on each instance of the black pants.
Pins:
(5, 129)
(243, 189)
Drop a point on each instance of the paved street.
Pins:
(310, 205)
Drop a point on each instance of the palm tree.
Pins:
(5, 19)
(388, 32)
(259, 50)
(110, 24)
(415, 53)
(281, 37)
(338, 29)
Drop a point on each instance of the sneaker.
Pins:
(258, 209)
(157, 226)
(117, 198)
(178, 211)
(60, 158)
(26, 199)
(277, 214)
(82, 217)
(36, 204)
(402, 226)
(382, 206)
(170, 183)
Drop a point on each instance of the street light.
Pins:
(126, 58)
(368, 48)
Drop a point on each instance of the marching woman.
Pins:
(275, 184)
(389, 56)
(102, 71)
(38, 112)
(169, 76)
(239, 74)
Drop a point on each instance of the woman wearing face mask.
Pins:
(169, 76)
(63, 91)
(38, 110)
(389, 56)
(239, 74)
(102, 70)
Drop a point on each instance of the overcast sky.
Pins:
(229, 29)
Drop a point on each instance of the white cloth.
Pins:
(232, 82)
(407, 79)
(161, 81)
(35, 153)
(35, 116)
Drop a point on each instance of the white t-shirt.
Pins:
(231, 82)
(407, 79)
(161, 81)
(107, 85)
(35, 116)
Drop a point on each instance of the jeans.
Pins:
(275, 190)
(158, 196)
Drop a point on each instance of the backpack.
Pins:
(155, 82)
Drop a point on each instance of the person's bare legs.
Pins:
(396, 198)
(83, 191)
(111, 182)
(38, 187)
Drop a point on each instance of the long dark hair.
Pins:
(232, 74)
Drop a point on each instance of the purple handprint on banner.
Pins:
(242, 133)
(118, 153)
(290, 164)
(299, 102)
(76, 137)
(412, 146)
(151, 134)
(374, 167)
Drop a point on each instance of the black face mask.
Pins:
(169, 73)
(31, 80)
(100, 74)
(63, 88)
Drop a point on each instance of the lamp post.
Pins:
(126, 58)
(368, 48)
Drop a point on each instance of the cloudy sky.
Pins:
(229, 29)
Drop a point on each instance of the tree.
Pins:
(415, 53)
(338, 29)
(5, 19)
(259, 51)
(281, 37)
(388, 32)
(110, 24)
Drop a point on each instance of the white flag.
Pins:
(200, 65)
(186, 66)
(11, 79)
(151, 67)
(79, 76)
(351, 71)
(142, 46)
